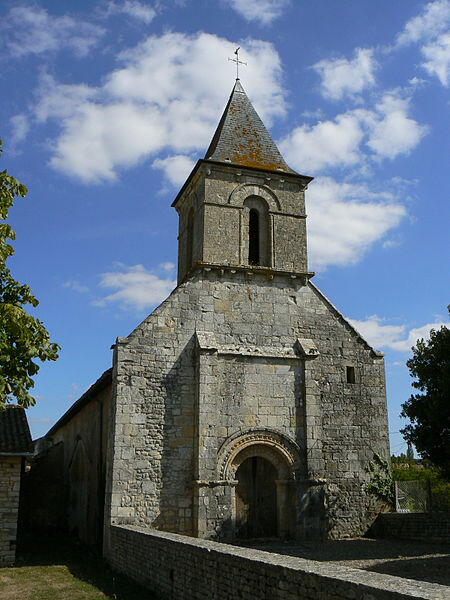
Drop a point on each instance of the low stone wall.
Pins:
(184, 568)
(10, 467)
(426, 527)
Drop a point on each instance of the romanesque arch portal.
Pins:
(261, 466)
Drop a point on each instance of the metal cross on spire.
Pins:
(237, 61)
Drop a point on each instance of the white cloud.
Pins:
(416, 334)
(326, 144)
(345, 220)
(382, 335)
(20, 128)
(342, 77)
(167, 266)
(116, 134)
(32, 30)
(159, 100)
(376, 332)
(58, 100)
(387, 131)
(434, 19)
(392, 131)
(432, 29)
(416, 81)
(176, 168)
(142, 11)
(437, 54)
(76, 286)
(261, 11)
(135, 287)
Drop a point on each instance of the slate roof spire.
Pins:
(241, 137)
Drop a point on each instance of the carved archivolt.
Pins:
(279, 450)
(244, 190)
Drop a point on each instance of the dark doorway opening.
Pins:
(256, 499)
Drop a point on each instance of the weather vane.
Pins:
(237, 61)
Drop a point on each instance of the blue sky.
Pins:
(107, 105)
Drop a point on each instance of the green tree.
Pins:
(23, 338)
(429, 411)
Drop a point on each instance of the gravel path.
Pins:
(403, 558)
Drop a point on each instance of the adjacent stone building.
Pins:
(245, 405)
(15, 445)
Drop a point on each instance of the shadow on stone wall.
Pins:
(177, 460)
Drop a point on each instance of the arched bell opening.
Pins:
(257, 238)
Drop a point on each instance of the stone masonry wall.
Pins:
(10, 469)
(217, 196)
(183, 568)
(161, 393)
(426, 527)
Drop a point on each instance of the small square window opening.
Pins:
(350, 374)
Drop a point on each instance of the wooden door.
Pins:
(256, 499)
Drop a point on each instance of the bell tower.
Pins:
(242, 207)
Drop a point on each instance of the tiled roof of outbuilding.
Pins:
(242, 138)
(15, 435)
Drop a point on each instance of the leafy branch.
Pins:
(23, 338)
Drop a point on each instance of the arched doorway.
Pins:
(261, 468)
(256, 499)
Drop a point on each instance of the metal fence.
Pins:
(412, 496)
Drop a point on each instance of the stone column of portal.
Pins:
(283, 508)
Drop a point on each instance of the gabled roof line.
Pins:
(377, 353)
(102, 382)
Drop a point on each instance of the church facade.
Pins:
(245, 405)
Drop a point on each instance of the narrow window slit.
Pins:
(351, 375)
(253, 234)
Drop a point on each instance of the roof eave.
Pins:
(188, 180)
(305, 178)
(102, 382)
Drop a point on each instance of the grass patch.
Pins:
(58, 569)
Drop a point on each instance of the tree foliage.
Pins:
(429, 411)
(23, 338)
(405, 469)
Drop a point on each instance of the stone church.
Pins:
(245, 405)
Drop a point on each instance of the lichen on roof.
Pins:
(242, 138)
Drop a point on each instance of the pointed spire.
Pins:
(241, 137)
